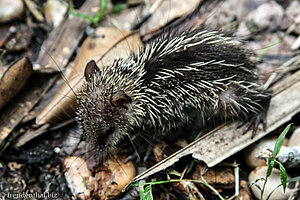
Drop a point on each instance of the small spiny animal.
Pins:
(175, 78)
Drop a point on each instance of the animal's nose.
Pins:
(109, 130)
(103, 135)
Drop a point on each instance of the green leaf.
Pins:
(283, 176)
(118, 7)
(270, 167)
(146, 194)
(279, 141)
(96, 18)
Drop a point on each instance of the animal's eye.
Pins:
(120, 99)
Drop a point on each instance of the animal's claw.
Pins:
(256, 119)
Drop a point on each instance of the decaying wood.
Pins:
(226, 140)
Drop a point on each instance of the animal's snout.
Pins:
(109, 130)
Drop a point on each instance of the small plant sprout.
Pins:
(271, 160)
(96, 18)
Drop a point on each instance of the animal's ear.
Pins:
(91, 69)
(120, 99)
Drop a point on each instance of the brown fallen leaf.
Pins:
(14, 79)
(108, 43)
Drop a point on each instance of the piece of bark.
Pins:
(31, 134)
(226, 140)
